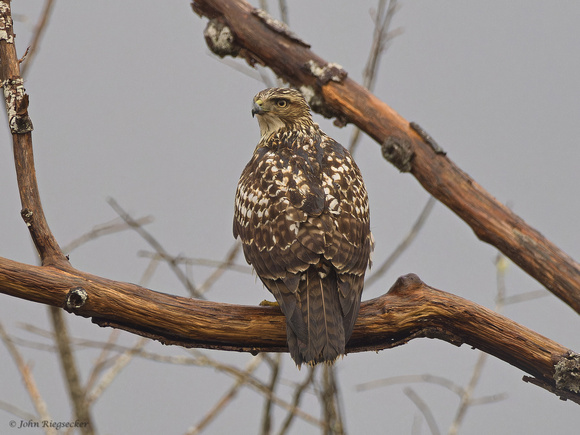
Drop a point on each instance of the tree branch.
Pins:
(21, 129)
(410, 309)
(253, 35)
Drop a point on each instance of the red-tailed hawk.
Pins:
(302, 214)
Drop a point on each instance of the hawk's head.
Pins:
(281, 108)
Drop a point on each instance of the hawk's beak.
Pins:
(257, 108)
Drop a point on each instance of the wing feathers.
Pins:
(302, 214)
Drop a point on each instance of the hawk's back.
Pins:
(302, 214)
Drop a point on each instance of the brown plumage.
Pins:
(302, 214)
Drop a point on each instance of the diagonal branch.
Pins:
(258, 39)
(38, 33)
(21, 129)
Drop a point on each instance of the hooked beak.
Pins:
(257, 108)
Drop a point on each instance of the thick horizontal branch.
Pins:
(409, 310)
(237, 29)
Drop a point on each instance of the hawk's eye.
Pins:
(282, 103)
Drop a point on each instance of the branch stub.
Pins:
(398, 151)
(76, 298)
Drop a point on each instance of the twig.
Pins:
(28, 379)
(527, 296)
(467, 396)
(120, 363)
(38, 32)
(70, 372)
(156, 246)
(329, 399)
(407, 379)
(283, 11)
(381, 39)
(102, 359)
(10, 408)
(404, 244)
(300, 389)
(259, 386)
(424, 408)
(274, 376)
(222, 268)
(199, 262)
(431, 379)
(112, 227)
(226, 398)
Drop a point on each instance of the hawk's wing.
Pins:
(298, 204)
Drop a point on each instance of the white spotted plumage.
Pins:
(301, 212)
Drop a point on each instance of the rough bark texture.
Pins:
(256, 38)
(411, 309)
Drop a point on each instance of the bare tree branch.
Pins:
(300, 388)
(330, 400)
(28, 380)
(424, 408)
(112, 227)
(156, 246)
(404, 144)
(21, 128)
(226, 398)
(38, 33)
(274, 378)
(409, 310)
(70, 372)
(381, 39)
(383, 268)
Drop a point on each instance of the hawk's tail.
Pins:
(321, 337)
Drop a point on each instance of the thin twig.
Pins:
(22, 414)
(274, 377)
(203, 360)
(38, 33)
(70, 372)
(404, 244)
(28, 379)
(112, 227)
(408, 379)
(525, 297)
(157, 247)
(329, 398)
(120, 363)
(381, 39)
(199, 262)
(424, 408)
(283, 11)
(300, 389)
(103, 359)
(222, 268)
(467, 397)
(227, 397)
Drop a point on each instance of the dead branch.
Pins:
(28, 379)
(238, 29)
(70, 372)
(410, 309)
(21, 129)
(38, 33)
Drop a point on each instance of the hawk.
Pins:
(302, 214)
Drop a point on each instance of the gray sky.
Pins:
(127, 102)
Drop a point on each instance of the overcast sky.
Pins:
(127, 102)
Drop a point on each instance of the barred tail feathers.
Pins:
(324, 338)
